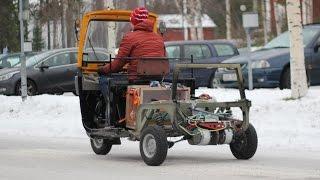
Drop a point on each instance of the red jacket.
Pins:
(142, 42)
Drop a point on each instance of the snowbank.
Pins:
(44, 115)
(279, 123)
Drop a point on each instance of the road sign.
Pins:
(250, 20)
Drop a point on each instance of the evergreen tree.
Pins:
(37, 41)
(9, 31)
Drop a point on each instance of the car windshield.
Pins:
(97, 37)
(282, 41)
(35, 59)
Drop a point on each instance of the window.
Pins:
(173, 51)
(97, 56)
(10, 61)
(224, 49)
(73, 57)
(58, 60)
(198, 51)
(283, 39)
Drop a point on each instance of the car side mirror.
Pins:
(162, 27)
(317, 46)
(43, 66)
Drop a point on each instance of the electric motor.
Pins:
(207, 137)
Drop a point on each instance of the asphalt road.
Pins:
(31, 158)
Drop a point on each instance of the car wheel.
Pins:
(31, 88)
(153, 145)
(214, 83)
(245, 144)
(74, 93)
(59, 93)
(286, 79)
(100, 146)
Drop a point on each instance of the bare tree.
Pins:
(307, 11)
(62, 22)
(264, 21)
(297, 64)
(228, 19)
(198, 13)
(193, 17)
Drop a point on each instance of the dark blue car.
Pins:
(271, 64)
(214, 51)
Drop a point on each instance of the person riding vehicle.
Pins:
(142, 42)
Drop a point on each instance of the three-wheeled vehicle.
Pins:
(150, 110)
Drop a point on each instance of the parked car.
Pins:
(271, 64)
(48, 72)
(214, 51)
(10, 60)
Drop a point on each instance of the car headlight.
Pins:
(260, 64)
(7, 76)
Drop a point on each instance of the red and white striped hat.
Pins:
(139, 15)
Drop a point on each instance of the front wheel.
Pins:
(153, 145)
(245, 144)
(100, 146)
(214, 83)
(286, 79)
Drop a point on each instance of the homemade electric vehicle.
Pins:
(152, 112)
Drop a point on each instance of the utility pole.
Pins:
(23, 70)
(299, 86)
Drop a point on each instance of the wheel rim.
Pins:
(98, 142)
(30, 89)
(149, 145)
(240, 142)
(215, 83)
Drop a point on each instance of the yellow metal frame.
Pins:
(103, 15)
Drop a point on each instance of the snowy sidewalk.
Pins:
(279, 123)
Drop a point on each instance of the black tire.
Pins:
(285, 79)
(156, 136)
(74, 93)
(245, 144)
(100, 146)
(31, 88)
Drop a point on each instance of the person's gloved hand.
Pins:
(101, 71)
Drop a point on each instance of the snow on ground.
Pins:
(44, 115)
(280, 123)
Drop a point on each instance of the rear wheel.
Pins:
(31, 88)
(245, 144)
(100, 146)
(153, 145)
